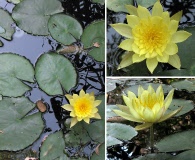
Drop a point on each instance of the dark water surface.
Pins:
(91, 72)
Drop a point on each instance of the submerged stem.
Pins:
(152, 139)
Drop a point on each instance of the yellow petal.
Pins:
(137, 58)
(174, 60)
(157, 9)
(132, 20)
(151, 64)
(126, 44)
(126, 60)
(79, 118)
(131, 9)
(131, 95)
(97, 116)
(148, 115)
(167, 116)
(68, 107)
(143, 126)
(126, 116)
(160, 94)
(150, 89)
(140, 91)
(73, 122)
(123, 29)
(123, 108)
(91, 94)
(68, 96)
(86, 120)
(134, 113)
(165, 16)
(177, 16)
(168, 99)
(72, 114)
(94, 110)
(97, 103)
(81, 93)
(163, 59)
(171, 49)
(135, 48)
(143, 12)
(180, 36)
(156, 108)
(173, 26)
(127, 101)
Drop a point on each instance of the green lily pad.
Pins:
(53, 147)
(19, 130)
(109, 112)
(6, 22)
(99, 1)
(187, 155)
(101, 155)
(54, 73)
(188, 85)
(134, 88)
(14, 69)
(159, 156)
(177, 142)
(120, 132)
(118, 5)
(176, 103)
(64, 28)
(93, 33)
(32, 15)
(146, 4)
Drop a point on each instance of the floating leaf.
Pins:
(110, 141)
(177, 142)
(64, 28)
(146, 3)
(19, 130)
(188, 85)
(120, 132)
(159, 156)
(101, 154)
(53, 147)
(14, 69)
(134, 88)
(118, 5)
(99, 1)
(109, 112)
(32, 15)
(54, 73)
(6, 24)
(176, 103)
(187, 155)
(94, 33)
(2, 30)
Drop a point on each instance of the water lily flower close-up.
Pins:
(151, 36)
(82, 107)
(148, 108)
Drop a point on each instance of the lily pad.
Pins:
(120, 132)
(177, 142)
(6, 24)
(109, 112)
(32, 15)
(53, 147)
(54, 73)
(146, 3)
(188, 85)
(134, 88)
(101, 154)
(14, 69)
(118, 5)
(2, 30)
(187, 155)
(176, 103)
(99, 1)
(64, 28)
(159, 156)
(94, 33)
(19, 130)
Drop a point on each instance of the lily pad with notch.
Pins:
(14, 69)
(18, 129)
(55, 73)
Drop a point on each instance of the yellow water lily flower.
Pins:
(82, 107)
(151, 36)
(148, 108)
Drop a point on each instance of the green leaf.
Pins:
(64, 28)
(188, 85)
(177, 142)
(109, 112)
(54, 71)
(101, 153)
(110, 141)
(32, 15)
(176, 103)
(2, 30)
(14, 69)
(134, 88)
(6, 24)
(146, 4)
(95, 32)
(118, 5)
(159, 156)
(19, 129)
(53, 147)
(120, 131)
(99, 1)
(187, 155)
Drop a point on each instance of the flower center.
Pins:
(151, 36)
(82, 107)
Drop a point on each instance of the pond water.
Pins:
(91, 72)
(114, 39)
